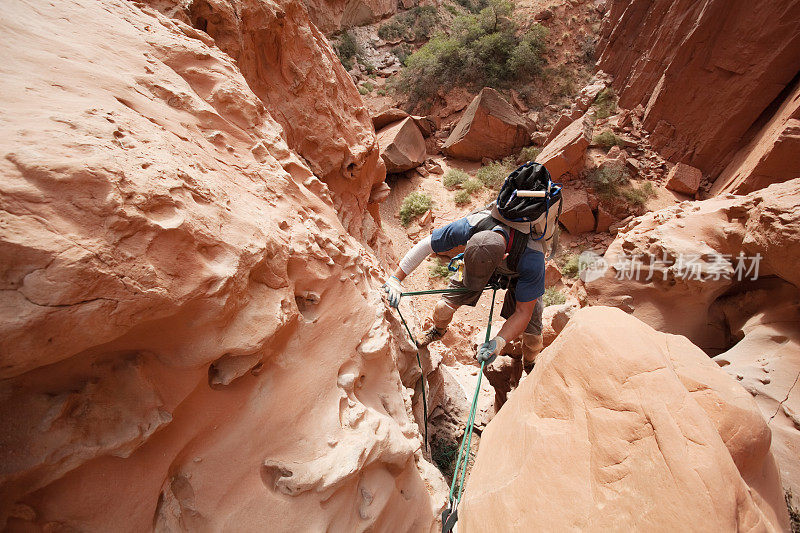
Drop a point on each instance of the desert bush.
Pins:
(415, 204)
(606, 103)
(612, 182)
(607, 179)
(569, 265)
(638, 196)
(794, 512)
(462, 197)
(553, 296)
(606, 139)
(483, 49)
(454, 177)
(438, 269)
(347, 49)
(528, 153)
(493, 174)
(401, 51)
(471, 186)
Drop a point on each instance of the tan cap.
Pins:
(482, 256)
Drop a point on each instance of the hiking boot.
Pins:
(431, 335)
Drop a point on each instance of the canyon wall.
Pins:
(331, 16)
(290, 66)
(174, 274)
(712, 76)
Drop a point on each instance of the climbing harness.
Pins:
(450, 514)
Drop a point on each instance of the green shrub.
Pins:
(638, 196)
(363, 91)
(607, 179)
(606, 103)
(439, 269)
(444, 454)
(472, 185)
(454, 178)
(392, 30)
(553, 296)
(493, 174)
(462, 197)
(368, 86)
(381, 92)
(569, 265)
(529, 153)
(483, 49)
(402, 51)
(611, 181)
(606, 140)
(347, 49)
(414, 204)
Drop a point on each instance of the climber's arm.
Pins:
(518, 321)
(413, 258)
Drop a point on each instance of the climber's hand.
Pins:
(488, 351)
(393, 288)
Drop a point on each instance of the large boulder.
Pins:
(684, 179)
(564, 156)
(620, 427)
(490, 127)
(175, 283)
(576, 214)
(402, 146)
(701, 100)
(723, 273)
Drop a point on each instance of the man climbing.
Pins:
(497, 249)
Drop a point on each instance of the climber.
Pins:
(497, 249)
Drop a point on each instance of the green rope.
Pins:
(419, 362)
(464, 451)
(422, 381)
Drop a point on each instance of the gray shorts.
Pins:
(457, 299)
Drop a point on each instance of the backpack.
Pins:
(529, 195)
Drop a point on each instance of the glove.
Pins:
(393, 288)
(488, 351)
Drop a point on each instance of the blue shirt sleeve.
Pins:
(448, 237)
(530, 284)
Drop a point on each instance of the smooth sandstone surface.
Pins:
(711, 297)
(172, 288)
(621, 428)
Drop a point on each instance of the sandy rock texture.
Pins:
(620, 427)
(290, 66)
(708, 73)
(172, 353)
(690, 281)
(490, 127)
